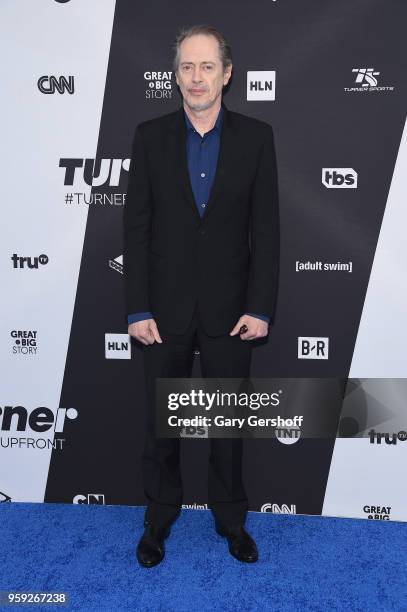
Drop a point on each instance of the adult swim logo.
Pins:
(42, 420)
(377, 513)
(50, 84)
(365, 79)
(261, 85)
(33, 263)
(24, 341)
(339, 178)
(377, 437)
(159, 85)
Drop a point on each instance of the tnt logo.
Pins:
(29, 262)
(288, 435)
(117, 346)
(366, 76)
(261, 85)
(89, 499)
(339, 178)
(312, 347)
(376, 437)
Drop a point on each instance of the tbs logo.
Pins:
(339, 178)
(312, 347)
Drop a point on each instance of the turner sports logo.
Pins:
(376, 437)
(339, 178)
(41, 420)
(90, 499)
(365, 79)
(277, 509)
(377, 513)
(261, 85)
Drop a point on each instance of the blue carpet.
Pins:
(305, 562)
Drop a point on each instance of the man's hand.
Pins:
(257, 328)
(145, 331)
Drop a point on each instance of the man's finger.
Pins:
(154, 331)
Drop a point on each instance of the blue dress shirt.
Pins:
(202, 156)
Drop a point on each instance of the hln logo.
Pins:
(312, 347)
(339, 178)
(117, 346)
(261, 85)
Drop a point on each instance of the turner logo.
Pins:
(376, 437)
(103, 172)
(117, 346)
(276, 509)
(261, 85)
(29, 262)
(378, 513)
(117, 264)
(159, 85)
(89, 499)
(339, 178)
(51, 84)
(312, 347)
(39, 420)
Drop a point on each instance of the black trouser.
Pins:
(221, 357)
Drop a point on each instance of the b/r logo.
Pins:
(312, 347)
(32, 262)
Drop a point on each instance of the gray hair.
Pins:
(225, 52)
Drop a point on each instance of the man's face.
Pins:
(200, 74)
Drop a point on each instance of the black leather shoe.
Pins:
(150, 549)
(241, 545)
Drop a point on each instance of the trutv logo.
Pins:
(29, 262)
(376, 437)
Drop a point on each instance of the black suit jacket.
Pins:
(228, 261)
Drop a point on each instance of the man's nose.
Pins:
(196, 77)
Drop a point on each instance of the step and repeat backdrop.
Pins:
(77, 77)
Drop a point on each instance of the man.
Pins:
(201, 262)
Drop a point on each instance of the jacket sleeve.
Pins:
(137, 229)
(264, 266)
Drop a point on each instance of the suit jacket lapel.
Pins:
(181, 162)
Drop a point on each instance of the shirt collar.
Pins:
(218, 121)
